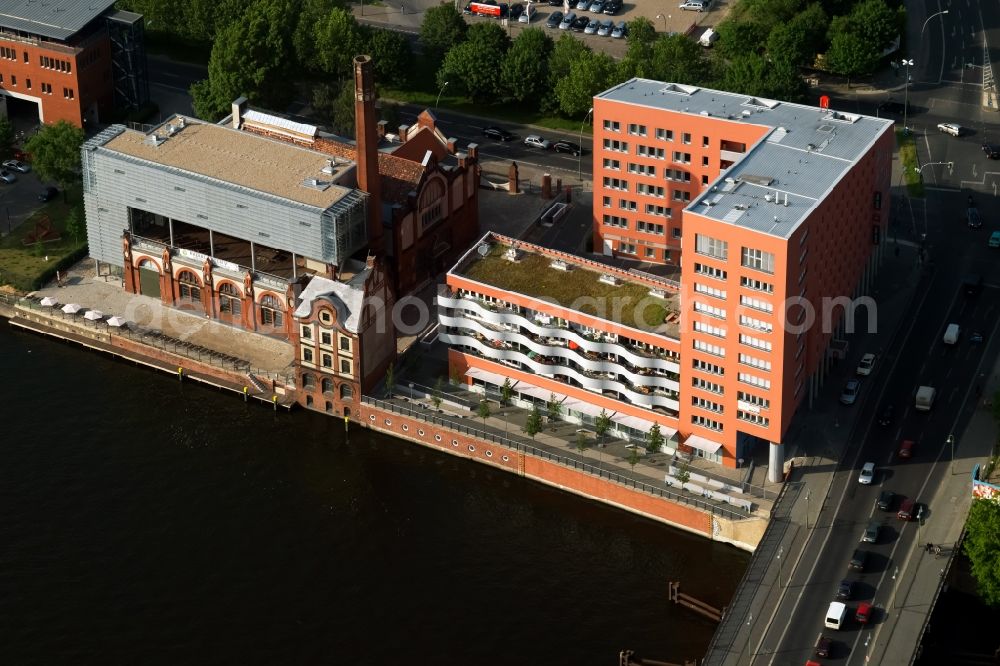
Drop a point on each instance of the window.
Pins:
(681, 158)
(25, 56)
(681, 195)
(13, 80)
(750, 417)
(704, 160)
(651, 190)
(8, 53)
(68, 93)
(710, 291)
(710, 271)
(713, 247)
(626, 248)
(750, 322)
(754, 400)
(307, 333)
(717, 331)
(327, 385)
(664, 134)
(750, 283)
(755, 362)
(705, 366)
(675, 232)
(612, 126)
(706, 423)
(677, 174)
(754, 380)
(27, 83)
(307, 354)
(345, 366)
(643, 169)
(625, 204)
(47, 88)
(706, 404)
(346, 392)
(649, 151)
(650, 253)
(229, 299)
(326, 338)
(686, 137)
(270, 311)
(756, 304)
(327, 361)
(654, 209)
(756, 343)
(616, 184)
(714, 350)
(345, 343)
(649, 227)
(616, 145)
(704, 142)
(709, 310)
(612, 164)
(189, 287)
(758, 260)
(309, 380)
(704, 180)
(637, 130)
(706, 385)
(616, 221)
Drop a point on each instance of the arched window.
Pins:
(308, 381)
(346, 392)
(329, 406)
(190, 288)
(229, 299)
(327, 385)
(309, 401)
(347, 411)
(432, 203)
(270, 311)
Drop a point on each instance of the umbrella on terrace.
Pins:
(48, 302)
(116, 321)
(72, 308)
(94, 315)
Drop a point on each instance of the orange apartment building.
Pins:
(768, 212)
(72, 60)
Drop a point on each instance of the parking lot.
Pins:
(18, 200)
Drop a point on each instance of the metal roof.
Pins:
(55, 19)
(804, 152)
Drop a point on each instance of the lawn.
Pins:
(911, 165)
(577, 289)
(24, 265)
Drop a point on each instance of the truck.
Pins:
(708, 38)
(925, 398)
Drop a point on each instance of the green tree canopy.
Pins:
(391, 55)
(311, 13)
(55, 152)
(851, 55)
(679, 59)
(565, 52)
(587, 77)
(798, 41)
(442, 28)
(533, 424)
(484, 410)
(768, 14)
(740, 38)
(655, 439)
(249, 58)
(982, 546)
(471, 67)
(333, 104)
(641, 37)
(198, 20)
(525, 68)
(336, 40)
(874, 21)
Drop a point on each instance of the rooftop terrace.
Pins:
(580, 288)
(804, 152)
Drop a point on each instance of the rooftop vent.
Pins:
(559, 265)
(658, 293)
(608, 279)
(155, 139)
(316, 184)
(512, 253)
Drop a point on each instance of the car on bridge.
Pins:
(845, 590)
(823, 646)
(906, 449)
(867, 474)
(994, 239)
(850, 393)
(871, 532)
(886, 499)
(858, 560)
(951, 128)
(885, 418)
(866, 365)
(864, 613)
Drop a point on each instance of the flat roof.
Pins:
(240, 158)
(805, 151)
(55, 19)
(579, 288)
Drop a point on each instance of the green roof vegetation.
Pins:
(579, 289)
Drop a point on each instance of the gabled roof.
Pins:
(347, 298)
(400, 176)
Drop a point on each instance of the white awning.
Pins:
(487, 377)
(582, 407)
(642, 424)
(706, 445)
(534, 391)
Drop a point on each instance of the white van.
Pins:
(835, 615)
(708, 38)
(951, 334)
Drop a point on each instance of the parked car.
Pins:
(580, 24)
(871, 532)
(592, 27)
(612, 7)
(536, 141)
(555, 18)
(991, 149)
(951, 128)
(582, 5)
(867, 474)
(7, 176)
(919, 511)
(885, 418)
(866, 365)
(886, 499)
(844, 590)
(17, 165)
(48, 194)
(606, 27)
(994, 239)
(693, 6)
(497, 134)
(972, 284)
(567, 21)
(823, 645)
(850, 393)
(515, 12)
(973, 219)
(892, 108)
(858, 560)
(906, 509)
(527, 14)
(864, 613)
(568, 146)
(906, 448)
(597, 6)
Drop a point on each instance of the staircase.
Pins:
(257, 384)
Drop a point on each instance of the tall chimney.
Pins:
(366, 135)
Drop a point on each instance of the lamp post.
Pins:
(749, 622)
(907, 62)
(438, 100)
(807, 509)
(579, 158)
(661, 16)
(894, 575)
(781, 550)
(945, 11)
(951, 442)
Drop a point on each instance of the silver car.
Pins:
(7, 176)
(567, 21)
(597, 6)
(527, 15)
(592, 27)
(582, 5)
(606, 27)
(620, 31)
(17, 165)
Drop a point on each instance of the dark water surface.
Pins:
(144, 521)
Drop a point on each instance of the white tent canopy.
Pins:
(93, 315)
(72, 308)
(49, 301)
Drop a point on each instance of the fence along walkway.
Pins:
(566, 461)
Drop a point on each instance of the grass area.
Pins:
(577, 289)
(911, 166)
(24, 266)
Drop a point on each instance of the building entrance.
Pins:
(149, 280)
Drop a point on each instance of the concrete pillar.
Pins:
(547, 186)
(513, 182)
(775, 462)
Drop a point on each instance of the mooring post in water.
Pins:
(246, 393)
(180, 374)
(274, 400)
(347, 422)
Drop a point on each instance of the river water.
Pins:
(145, 521)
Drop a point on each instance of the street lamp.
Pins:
(661, 16)
(579, 158)
(781, 550)
(893, 599)
(951, 442)
(807, 509)
(928, 21)
(749, 622)
(438, 101)
(907, 62)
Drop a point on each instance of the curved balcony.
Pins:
(636, 359)
(542, 349)
(596, 384)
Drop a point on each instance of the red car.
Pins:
(906, 449)
(864, 612)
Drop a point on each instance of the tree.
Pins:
(506, 392)
(391, 55)
(470, 67)
(248, 58)
(484, 410)
(587, 77)
(533, 425)
(565, 52)
(6, 136)
(334, 105)
(875, 22)
(581, 442)
(524, 68)
(76, 225)
(442, 29)
(633, 457)
(850, 55)
(311, 14)
(798, 41)
(683, 473)
(678, 59)
(745, 75)
(390, 378)
(638, 56)
(602, 424)
(554, 407)
(740, 38)
(654, 442)
(438, 389)
(55, 152)
(337, 39)
(982, 546)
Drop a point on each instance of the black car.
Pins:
(497, 134)
(580, 24)
(845, 589)
(48, 194)
(885, 418)
(555, 18)
(567, 147)
(858, 560)
(885, 500)
(515, 11)
(891, 108)
(823, 646)
(972, 283)
(611, 7)
(992, 151)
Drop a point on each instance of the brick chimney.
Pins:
(366, 135)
